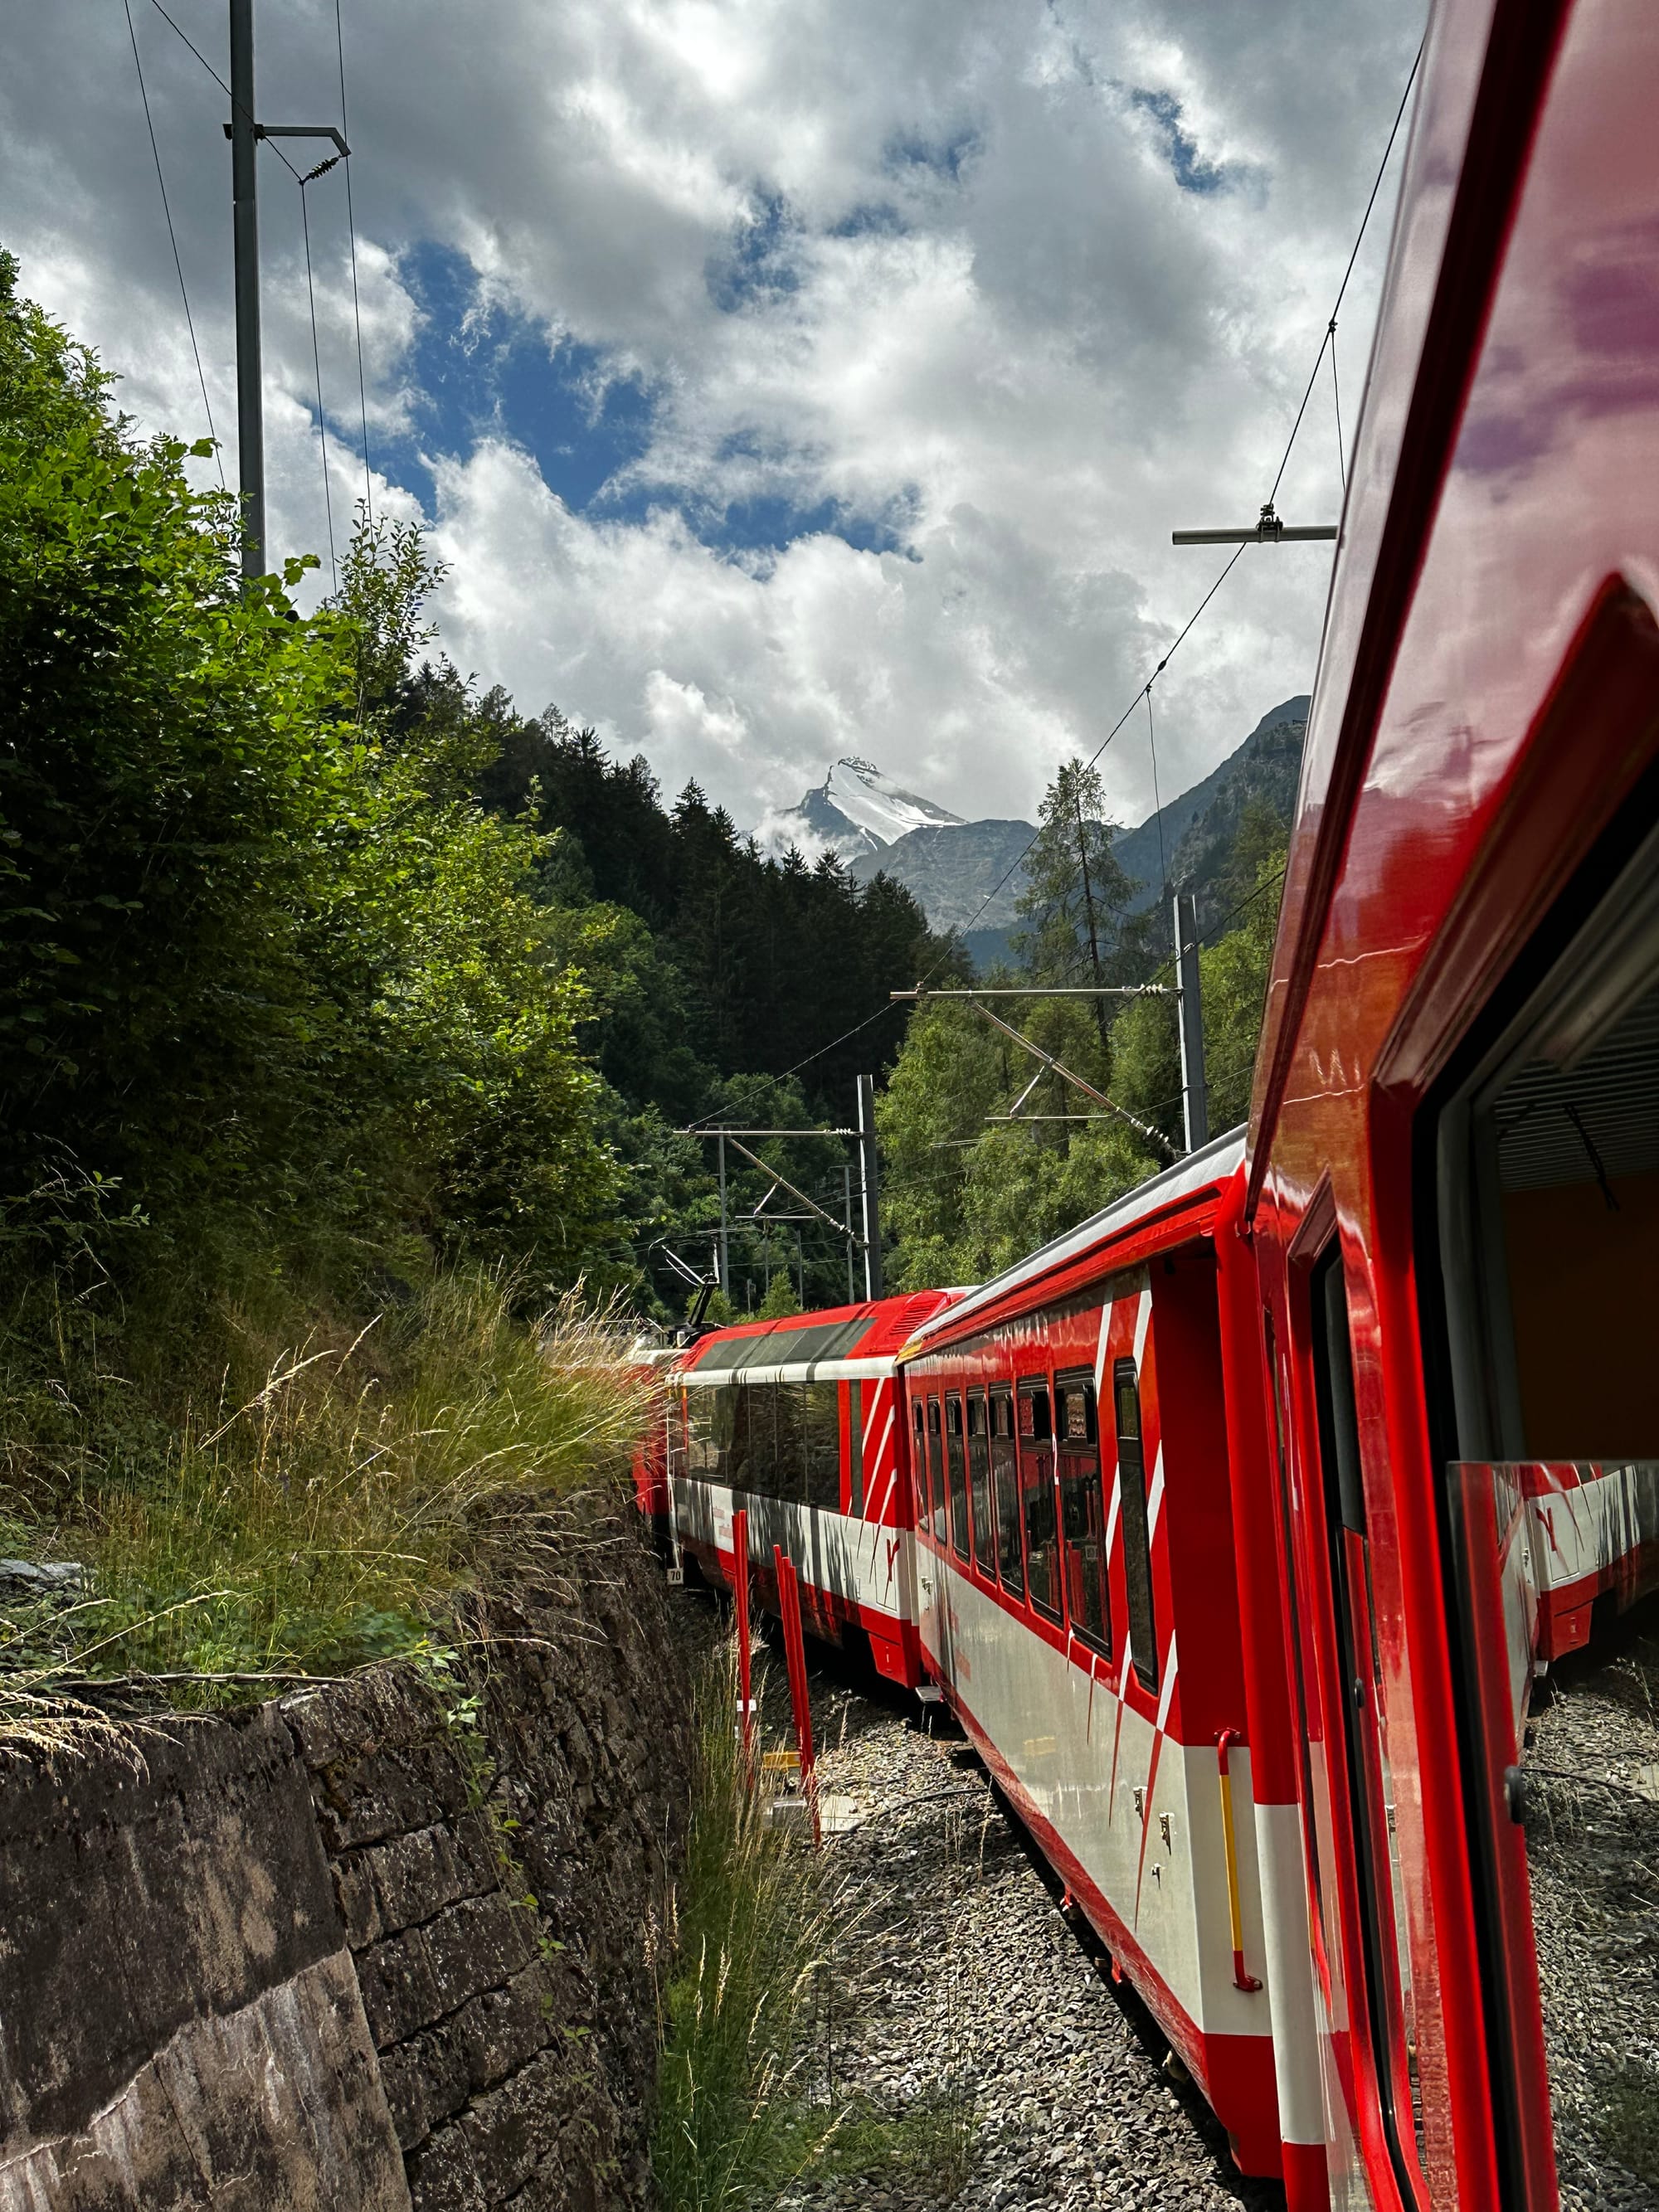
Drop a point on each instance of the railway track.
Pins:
(971, 2001)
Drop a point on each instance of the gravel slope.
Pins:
(975, 2004)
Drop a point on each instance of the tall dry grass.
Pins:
(757, 1920)
(331, 1515)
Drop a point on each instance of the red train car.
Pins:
(1096, 1581)
(799, 1421)
(1454, 1178)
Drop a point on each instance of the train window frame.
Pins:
(854, 1420)
(1005, 1493)
(918, 1465)
(1385, 1963)
(1082, 1497)
(956, 1473)
(1032, 1444)
(1135, 1527)
(983, 1539)
(939, 1510)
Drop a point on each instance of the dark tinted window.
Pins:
(1004, 1483)
(956, 1472)
(936, 1470)
(1082, 1516)
(918, 1460)
(1036, 1499)
(1137, 1533)
(821, 1430)
(979, 1483)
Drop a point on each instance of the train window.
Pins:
(919, 1461)
(1082, 1515)
(979, 1484)
(741, 1470)
(855, 1446)
(1005, 1483)
(1137, 1525)
(936, 1470)
(956, 1473)
(1037, 1498)
(1545, 1164)
(789, 1448)
(705, 1449)
(1370, 1781)
(819, 1409)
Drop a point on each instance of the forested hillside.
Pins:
(987, 1152)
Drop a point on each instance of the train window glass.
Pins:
(1082, 1514)
(855, 1445)
(820, 1404)
(1004, 1483)
(919, 1461)
(789, 1447)
(1389, 1994)
(956, 1471)
(1547, 1191)
(1036, 1499)
(1131, 1475)
(742, 1471)
(979, 1483)
(936, 1471)
(705, 1449)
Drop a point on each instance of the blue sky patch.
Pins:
(1192, 172)
(481, 371)
(757, 264)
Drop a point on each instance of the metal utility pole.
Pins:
(245, 207)
(871, 1186)
(245, 131)
(1195, 1095)
(846, 1203)
(724, 1267)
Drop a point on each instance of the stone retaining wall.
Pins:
(355, 1950)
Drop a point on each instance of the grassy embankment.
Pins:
(258, 1505)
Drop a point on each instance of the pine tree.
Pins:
(1076, 889)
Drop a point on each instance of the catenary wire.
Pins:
(356, 311)
(1157, 803)
(316, 365)
(1376, 187)
(222, 86)
(1336, 398)
(173, 241)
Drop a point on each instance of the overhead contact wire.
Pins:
(317, 364)
(173, 241)
(356, 311)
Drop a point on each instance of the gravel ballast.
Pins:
(967, 2001)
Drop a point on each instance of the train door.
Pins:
(1545, 1180)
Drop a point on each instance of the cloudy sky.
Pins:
(780, 379)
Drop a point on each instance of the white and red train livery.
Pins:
(1088, 1432)
(797, 1421)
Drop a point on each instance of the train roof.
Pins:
(1211, 1164)
(824, 1340)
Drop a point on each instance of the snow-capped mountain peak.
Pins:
(856, 809)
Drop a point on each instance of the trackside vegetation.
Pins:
(302, 1159)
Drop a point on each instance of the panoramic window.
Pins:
(1037, 1498)
(1083, 1518)
(1132, 1474)
(979, 1483)
(820, 1404)
(1004, 1483)
(855, 1445)
(936, 1471)
(955, 1469)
